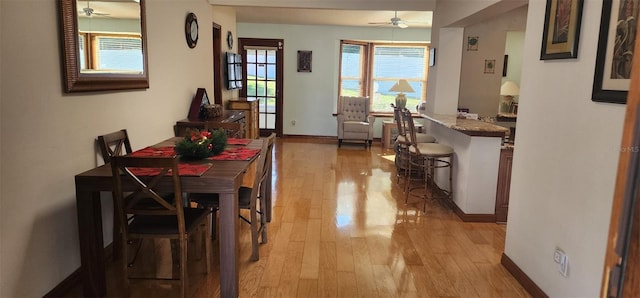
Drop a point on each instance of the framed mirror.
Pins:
(104, 45)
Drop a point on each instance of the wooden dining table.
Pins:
(224, 177)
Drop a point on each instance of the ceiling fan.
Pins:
(395, 21)
(89, 12)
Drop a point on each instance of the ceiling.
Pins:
(307, 16)
(111, 9)
(277, 15)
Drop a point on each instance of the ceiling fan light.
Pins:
(402, 25)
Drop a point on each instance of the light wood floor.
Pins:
(341, 229)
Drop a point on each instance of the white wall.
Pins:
(47, 136)
(514, 47)
(311, 98)
(565, 164)
(479, 91)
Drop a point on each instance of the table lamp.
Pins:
(401, 86)
(509, 89)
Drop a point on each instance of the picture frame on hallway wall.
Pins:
(304, 61)
(489, 66)
(561, 33)
(615, 51)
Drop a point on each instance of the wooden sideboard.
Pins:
(250, 107)
(231, 121)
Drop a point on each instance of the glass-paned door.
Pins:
(263, 81)
(261, 84)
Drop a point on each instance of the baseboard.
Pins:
(323, 139)
(522, 277)
(75, 278)
(473, 217)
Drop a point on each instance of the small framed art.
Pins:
(304, 61)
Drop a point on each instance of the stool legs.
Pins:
(429, 166)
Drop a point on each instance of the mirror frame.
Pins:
(74, 80)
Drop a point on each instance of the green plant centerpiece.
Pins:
(199, 144)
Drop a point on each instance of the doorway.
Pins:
(263, 69)
(217, 61)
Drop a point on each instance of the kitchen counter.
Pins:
(468, 126)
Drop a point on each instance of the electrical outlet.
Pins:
(293, 122)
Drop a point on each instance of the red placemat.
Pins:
(155, 151)
(236, 153)
(234, 141)
(184, 169)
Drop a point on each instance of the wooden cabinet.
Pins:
(250, 107)
(504, 184)
(231, 121)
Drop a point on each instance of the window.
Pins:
(107, 52)
(373, 77)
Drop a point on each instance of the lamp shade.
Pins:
(401, 86)
(509, 88)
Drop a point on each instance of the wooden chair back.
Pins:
(143, 198)
(409, 126)
(113, 144)
(267, 164)
(400, 123)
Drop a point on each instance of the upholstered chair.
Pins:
(355, 123)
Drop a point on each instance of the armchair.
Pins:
(354, 120)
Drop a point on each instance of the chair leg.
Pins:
(407, 182)
(255, 252)
(116, 247)
(214, 216)
(263, 221)
(339, 143)
(183, 266)
(207, 244)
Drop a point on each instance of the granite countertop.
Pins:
(468, 126)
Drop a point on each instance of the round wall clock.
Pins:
(230, 40)
(191, 30)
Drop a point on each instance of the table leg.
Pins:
(229, 227)
(91, 244)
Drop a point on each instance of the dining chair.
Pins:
(114, 144)
(163, 219)
(252, 198)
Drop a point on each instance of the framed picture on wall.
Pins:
(615, 50)
(561, 29)
(489, 66)
(304, 61)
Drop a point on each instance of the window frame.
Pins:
(367, 67)
(90, 40)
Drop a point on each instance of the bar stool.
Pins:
(428, 157)
(402, 142)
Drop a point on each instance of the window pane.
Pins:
(120, 53)
(83, 54)
(351, 75)
(350, 88)
(392, 63)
